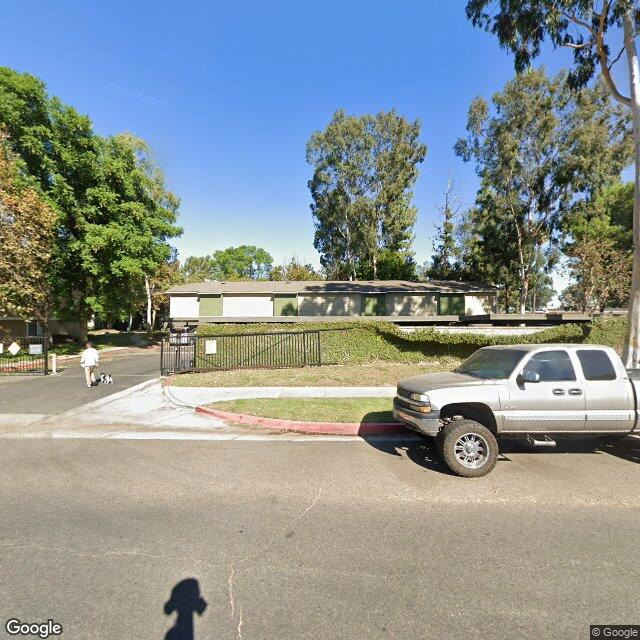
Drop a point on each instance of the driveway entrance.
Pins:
(67, 390)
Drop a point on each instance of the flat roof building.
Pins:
(295, 301)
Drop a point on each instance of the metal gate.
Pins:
(180, 353)
(24, 355)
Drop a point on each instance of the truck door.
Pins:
(609, 397)
(555, 403)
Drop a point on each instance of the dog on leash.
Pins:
(106, 378)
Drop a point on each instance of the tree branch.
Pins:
(604, 60)
(616, 58)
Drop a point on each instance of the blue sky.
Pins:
(228, 93)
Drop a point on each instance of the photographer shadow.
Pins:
(186, 601)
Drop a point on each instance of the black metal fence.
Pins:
(24, 355)
(180, 353)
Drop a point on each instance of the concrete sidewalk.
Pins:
(197, 396)
(143, 406)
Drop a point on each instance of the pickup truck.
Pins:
(532, 391)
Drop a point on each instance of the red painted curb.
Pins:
(326, 428)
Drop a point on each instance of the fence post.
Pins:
(45, 351)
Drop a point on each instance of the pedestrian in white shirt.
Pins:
(89, 361)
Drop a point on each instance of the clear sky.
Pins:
(227, 94)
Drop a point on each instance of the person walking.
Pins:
(89, 361)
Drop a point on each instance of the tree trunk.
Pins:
(149, 303)
(631, 353)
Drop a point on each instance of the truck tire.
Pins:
(469, 449)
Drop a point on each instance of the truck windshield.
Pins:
(491, 363)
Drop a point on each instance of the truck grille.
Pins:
(403, 393)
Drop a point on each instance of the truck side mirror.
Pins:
(530, 376)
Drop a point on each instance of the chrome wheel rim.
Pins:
(471, 450)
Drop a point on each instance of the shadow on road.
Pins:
(186, 601)
(423, 450)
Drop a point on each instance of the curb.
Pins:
(317, 428)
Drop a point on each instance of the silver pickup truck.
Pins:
(532, 391)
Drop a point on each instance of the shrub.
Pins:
(366, 341)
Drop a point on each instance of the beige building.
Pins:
(17, 327)
(266, 301)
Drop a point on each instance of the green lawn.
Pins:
(313, 409)
(109, 338)
(372, 374)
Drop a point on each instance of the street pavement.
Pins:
(113, 497)
(316, 538)
(40, 395)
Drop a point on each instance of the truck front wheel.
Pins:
(469, 449)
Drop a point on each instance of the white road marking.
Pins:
(191, 436)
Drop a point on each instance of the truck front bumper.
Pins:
(427, 423)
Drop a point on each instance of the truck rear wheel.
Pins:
(469, 449)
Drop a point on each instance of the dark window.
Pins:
(551, 366)
(596, 365)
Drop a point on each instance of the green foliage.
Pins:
(367, 341)
(600, 249)
(391, 265)
(126, 237)
(538, 148)
(364, 170)
(523, 25)
(198, 269)
(293, 269)
(245, 262)
(114, 214)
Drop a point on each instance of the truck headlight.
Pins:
(420, 397)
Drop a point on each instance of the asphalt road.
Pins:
(316, 540)
(67, 390)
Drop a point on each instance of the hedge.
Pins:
(367, 341)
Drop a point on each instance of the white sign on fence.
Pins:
(35, 349)
(14, 347)
(210, 347)
(1, 348)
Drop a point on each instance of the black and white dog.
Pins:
(106, 378)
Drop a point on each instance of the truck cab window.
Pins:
(551, 366)
(596, 365)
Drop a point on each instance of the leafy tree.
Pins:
(592, 30)
(532, 152)
(245, 262)
(488, 253)
(600, 249)
(134, 217)
(364, 170)
(27, 236)
(198, 269)
(601, 270)
(114, 215)
(293, 269)
(164, 276)
(392, 265)
(60, 150)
